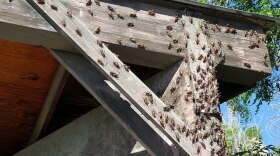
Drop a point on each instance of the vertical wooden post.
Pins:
(50, 103)
(193, 92)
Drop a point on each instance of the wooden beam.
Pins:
(111, 31)
(159, 82)
(52, 98)
(116, 104)
(138, 149)
(113, 69)
(193, 92)
(219, 12)
(17, 16)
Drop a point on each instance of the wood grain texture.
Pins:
(149, 33)
(116, 104)
(26, 74)
(159, 82)
(75, 100)
(111, 67)
(216, 11)
(193, 91)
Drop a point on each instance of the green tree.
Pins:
(245, 141)
(241, 140)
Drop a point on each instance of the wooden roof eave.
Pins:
(264, 21)
(20, 22)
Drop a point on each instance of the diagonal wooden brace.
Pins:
(116, 104)
(193, 92)
(115, 71)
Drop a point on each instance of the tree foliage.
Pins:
(245, 140)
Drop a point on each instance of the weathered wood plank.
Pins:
(50, 103)
(116, 103)
(112, 68)
(149, 33)
(193, 92)
(110, 33)
(138, 149)
(159, 82)
(216, 11)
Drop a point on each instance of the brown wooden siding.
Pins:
(26, 73)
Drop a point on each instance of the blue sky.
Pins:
(271, 134)
(270, 130)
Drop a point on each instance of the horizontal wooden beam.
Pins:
(219, 12)
(19, 22)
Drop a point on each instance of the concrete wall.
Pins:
(95, 133)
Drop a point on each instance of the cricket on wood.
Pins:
(182, 61)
